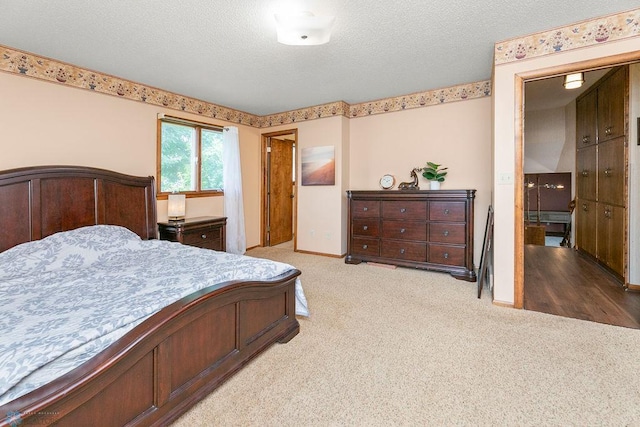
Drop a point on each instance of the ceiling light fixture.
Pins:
(573, 81)
(304, 29)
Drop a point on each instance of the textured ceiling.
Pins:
(225, 52)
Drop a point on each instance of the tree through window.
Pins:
(190, 157)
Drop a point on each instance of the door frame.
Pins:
(520, 79)
(264, 184)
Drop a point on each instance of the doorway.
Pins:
(559, 280)
(278, 214)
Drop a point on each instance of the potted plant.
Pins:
(435, 174)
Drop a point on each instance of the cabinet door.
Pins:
(586, 173)
(611, 172)
(611, 237)
(586, 226)
(611, 98)
(586, 120)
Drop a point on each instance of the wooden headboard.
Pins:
(41, 200)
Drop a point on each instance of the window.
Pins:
(189, 157)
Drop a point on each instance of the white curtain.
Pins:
(232, 181)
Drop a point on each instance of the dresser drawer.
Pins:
(405, 230)
(364, 246)
(409, 251)
(366, 227)
(203, 232)
(398, 209)
(447, 211)
(447, 255)
(209, 238)
(365, 208)
(447, 233)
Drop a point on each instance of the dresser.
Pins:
(204, 232)
(430, 230)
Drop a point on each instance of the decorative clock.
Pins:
(387, 181)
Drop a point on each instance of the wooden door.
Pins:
(586, 173)
(611, 237)
(611, 102)
(586, 226)
(586, 119)
(611, 176)
(280, 191)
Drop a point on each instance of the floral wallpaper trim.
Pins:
(585, 33)
(29, 65)
(422, 99)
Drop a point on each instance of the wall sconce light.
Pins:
(573, 81)
(176, 208)
(304, 29)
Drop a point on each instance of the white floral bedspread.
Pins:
(68, 296)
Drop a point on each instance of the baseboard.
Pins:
(320, 254)
(503, 304)
(634, 288)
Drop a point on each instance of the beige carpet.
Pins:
(407, 347)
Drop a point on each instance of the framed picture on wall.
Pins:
(318, 166)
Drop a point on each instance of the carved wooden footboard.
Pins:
(172, 360)
(169, 362)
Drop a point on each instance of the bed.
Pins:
(164, 359)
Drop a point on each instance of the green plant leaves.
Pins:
(433, 172)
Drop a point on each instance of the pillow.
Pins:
(76, 248)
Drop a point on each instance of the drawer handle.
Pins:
(365, 228)
(607, 172)
(402, 230)
(365, 209)
(446, 211)
(585, 173)
(585, 139)
(403, 210)
(584, 207)
(445, 255)
(608, 130)
(446, 233)
(402, 250)
(365, 246)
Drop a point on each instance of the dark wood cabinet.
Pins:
(586, 172)
(586, 120)
(600, 171)
(611, 176)
(610, 226)
(586, 226)
(430, 230)
(203, 232)
(611, 105)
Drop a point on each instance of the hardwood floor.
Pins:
(564, 282)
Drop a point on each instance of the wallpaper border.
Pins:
(582, 34)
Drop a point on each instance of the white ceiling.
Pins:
(225, 52)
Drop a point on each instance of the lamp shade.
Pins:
(304, 29)
(573, 81)
(176, 208)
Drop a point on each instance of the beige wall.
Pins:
(546, 147)
(321, 208)
(42, 123)
(505, 130)
(456, 135)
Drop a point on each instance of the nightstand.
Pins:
(204, 232)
